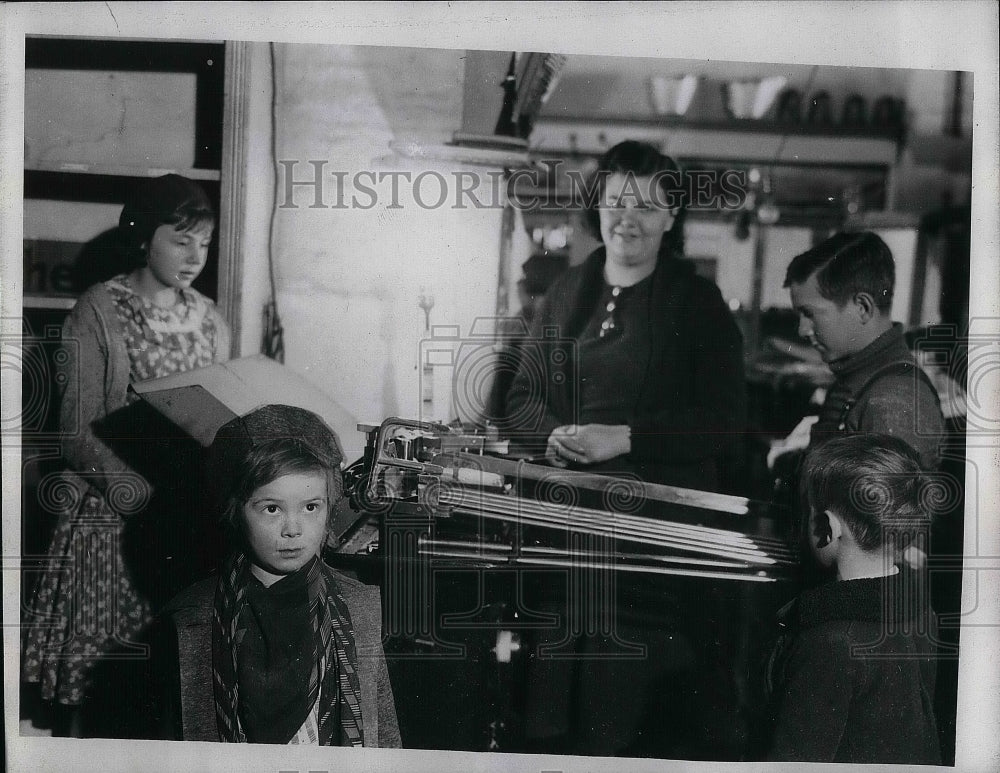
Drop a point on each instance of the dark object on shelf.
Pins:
(542, 269)
(743, 220)
(789, 107)
(888, 113)
(529, 81)
(100, 259)
(855, 112)
(820, 110)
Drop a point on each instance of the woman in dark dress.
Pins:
(653, 383)
(634, 369)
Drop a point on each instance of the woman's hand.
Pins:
(588, 443)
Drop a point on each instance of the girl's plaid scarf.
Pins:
(334, 678)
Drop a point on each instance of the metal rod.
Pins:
(499, 501)
(620, 526)
(705, 500)
(493, 551)
(746, 554)
(663, 536)
(405, 464)
(758, 577)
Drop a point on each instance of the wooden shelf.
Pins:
(56, 302)
(121, 170)
(740, 125)
(97, 187)
(748, 140)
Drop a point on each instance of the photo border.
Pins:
(930, 35)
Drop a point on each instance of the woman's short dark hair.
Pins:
(846, 264)
(874, 483)
(167, 200)
(639, 159)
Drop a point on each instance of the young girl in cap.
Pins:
(143, 324)
(296, 654)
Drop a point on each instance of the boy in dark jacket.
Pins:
(854, 674)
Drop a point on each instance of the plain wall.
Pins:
(348, 280)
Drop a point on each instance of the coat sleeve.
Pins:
(388, 724)
(85, 374)
(904, 406)
(815, 697)
(530, 418)
(378, 702)
(715, 417)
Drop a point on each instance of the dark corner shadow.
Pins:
(177, 538)
(100, 259)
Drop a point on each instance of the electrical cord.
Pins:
(784, 134)
(273, 343)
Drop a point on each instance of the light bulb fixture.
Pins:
(767, 91)
(753, 98)
(672, 96)
(768, 212)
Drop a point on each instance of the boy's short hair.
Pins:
(276, 440)
(845, 264)
(873, 482)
